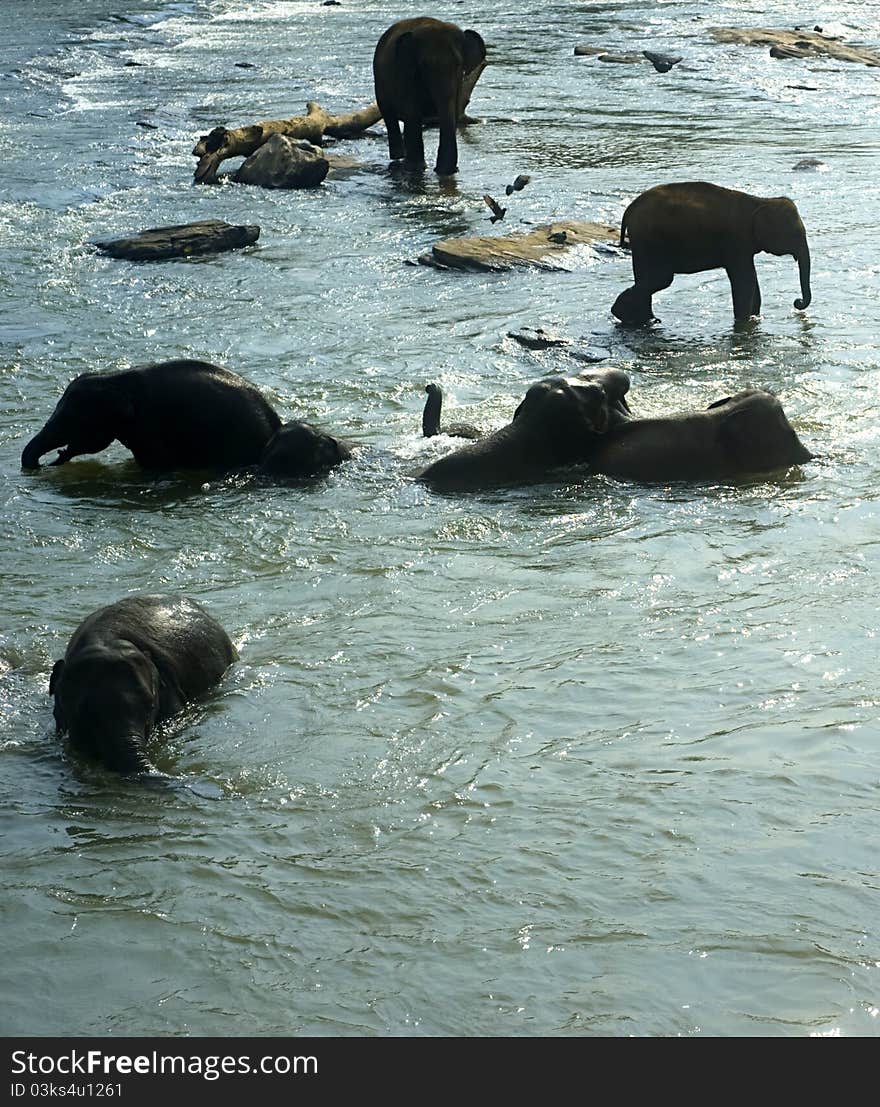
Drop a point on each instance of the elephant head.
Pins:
(559, 422)
(777, 229)
(298, 450)
(88, 417)
(107, 698)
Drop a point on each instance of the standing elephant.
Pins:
(689, 227)
(419, 67)
(557, 424)
(130, 665)
(586, 420)
(171, 415)
(298, 450)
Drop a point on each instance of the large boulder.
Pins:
(282, 162)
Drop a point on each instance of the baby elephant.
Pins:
(130, 665)
(171, 415)
(298, 450)
(689, 227)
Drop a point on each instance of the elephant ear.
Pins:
(474, 50)
(775, 227)
(55, 676)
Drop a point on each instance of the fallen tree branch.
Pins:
(214, 148)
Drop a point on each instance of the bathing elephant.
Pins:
(299, 450)
(130, 665)
(689, 227)
(418, 67)
(741, 434)
(557, 424)
(431, 418)
(586, 420)
(171, 415)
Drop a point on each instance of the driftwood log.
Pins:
(215, 147)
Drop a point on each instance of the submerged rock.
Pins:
(536, 248)
(181, 240)
(796, 44)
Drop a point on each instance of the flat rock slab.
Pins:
(797, 44)
(497, 253)
(208, 236)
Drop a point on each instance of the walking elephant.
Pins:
(131, 665)
(171, 415)
(585, 420)
(693, 226)
(419, 67)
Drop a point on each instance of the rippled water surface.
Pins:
(582, 758)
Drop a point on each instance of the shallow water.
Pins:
(583, 758)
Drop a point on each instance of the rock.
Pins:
(810, 163)
(244, 65)
(586, 51)
(536, 339)
(497, 253)
(181, 240)
(284, 163)
(620, 59)
(662, 62)
(796, 44)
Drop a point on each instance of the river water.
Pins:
(583, 758)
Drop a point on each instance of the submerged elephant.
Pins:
(171, 415)
(586, 420)
(432, 413)
(690, 227)
(298, 450)
(557, 424)
(419, 67)
(129, 666)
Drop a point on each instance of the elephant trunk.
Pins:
(49, 438)
(803, 260)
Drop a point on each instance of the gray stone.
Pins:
(282, 162)
(181, 240)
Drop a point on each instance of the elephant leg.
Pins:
(447, 152)
(634, 305)
(414, 143)
(744, 289)
(756, 299)
(395, 138)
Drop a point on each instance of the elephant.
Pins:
(557, 424)
(747, 433)
(419, 68)
(693, 226)
(130, 665)
(299, 450)
(586, 420)
(170, 414)
(431, 418)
